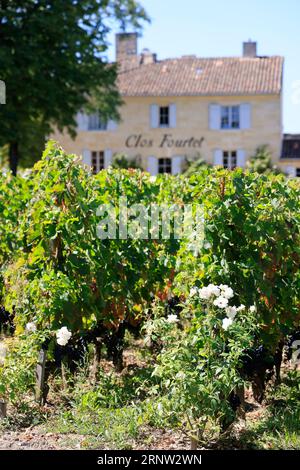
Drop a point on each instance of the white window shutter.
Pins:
(241, 158)
(245, 116)
(152, 166)
(82, 121)
(218, 157)
(154, 116)
(214, 116)
(111, 125)
(172, 116)
(176, 164)
(290, 171)
(108, 157)
(87, 157)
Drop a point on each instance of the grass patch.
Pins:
(279, 427)
(115, 428)
(22, 416)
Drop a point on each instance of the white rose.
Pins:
(226, 323)
(228, 293)
(214, 289)
(193, 291)
(241, 307)
(231, 312)
(221, 302)
(31, 327)
(62, 341)
(172, 318)
(252, 309)
(63, 336)
(205, 293)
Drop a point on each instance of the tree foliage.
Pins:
(194, 165)
(261, 161)
(53, 62)
(123, 161)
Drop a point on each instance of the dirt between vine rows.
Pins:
(35, 440)
(35, 437)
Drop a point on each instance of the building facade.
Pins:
(221, 109)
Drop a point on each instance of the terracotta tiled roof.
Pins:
(194, 76)
(291, 146)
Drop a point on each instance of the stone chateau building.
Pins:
(220, 108)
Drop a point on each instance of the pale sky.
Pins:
(216, 28)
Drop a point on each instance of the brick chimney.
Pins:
(126, 46)
(147, 57)
(249, 49)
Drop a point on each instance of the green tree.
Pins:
(125, 162)
(53, 63)
(261, 161)
(194, 165)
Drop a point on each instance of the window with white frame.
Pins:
(97, 161)
(230, 117)
(164, 165)
(298, 172)
(164, 116)
(229, 160)
(96, 123)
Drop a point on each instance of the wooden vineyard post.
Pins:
(63, 375)
(3, 408)
(40, 377)
(3, 404)
(97, 358)
(194, 443)
(241, 412)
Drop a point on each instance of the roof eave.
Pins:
(168, 95)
